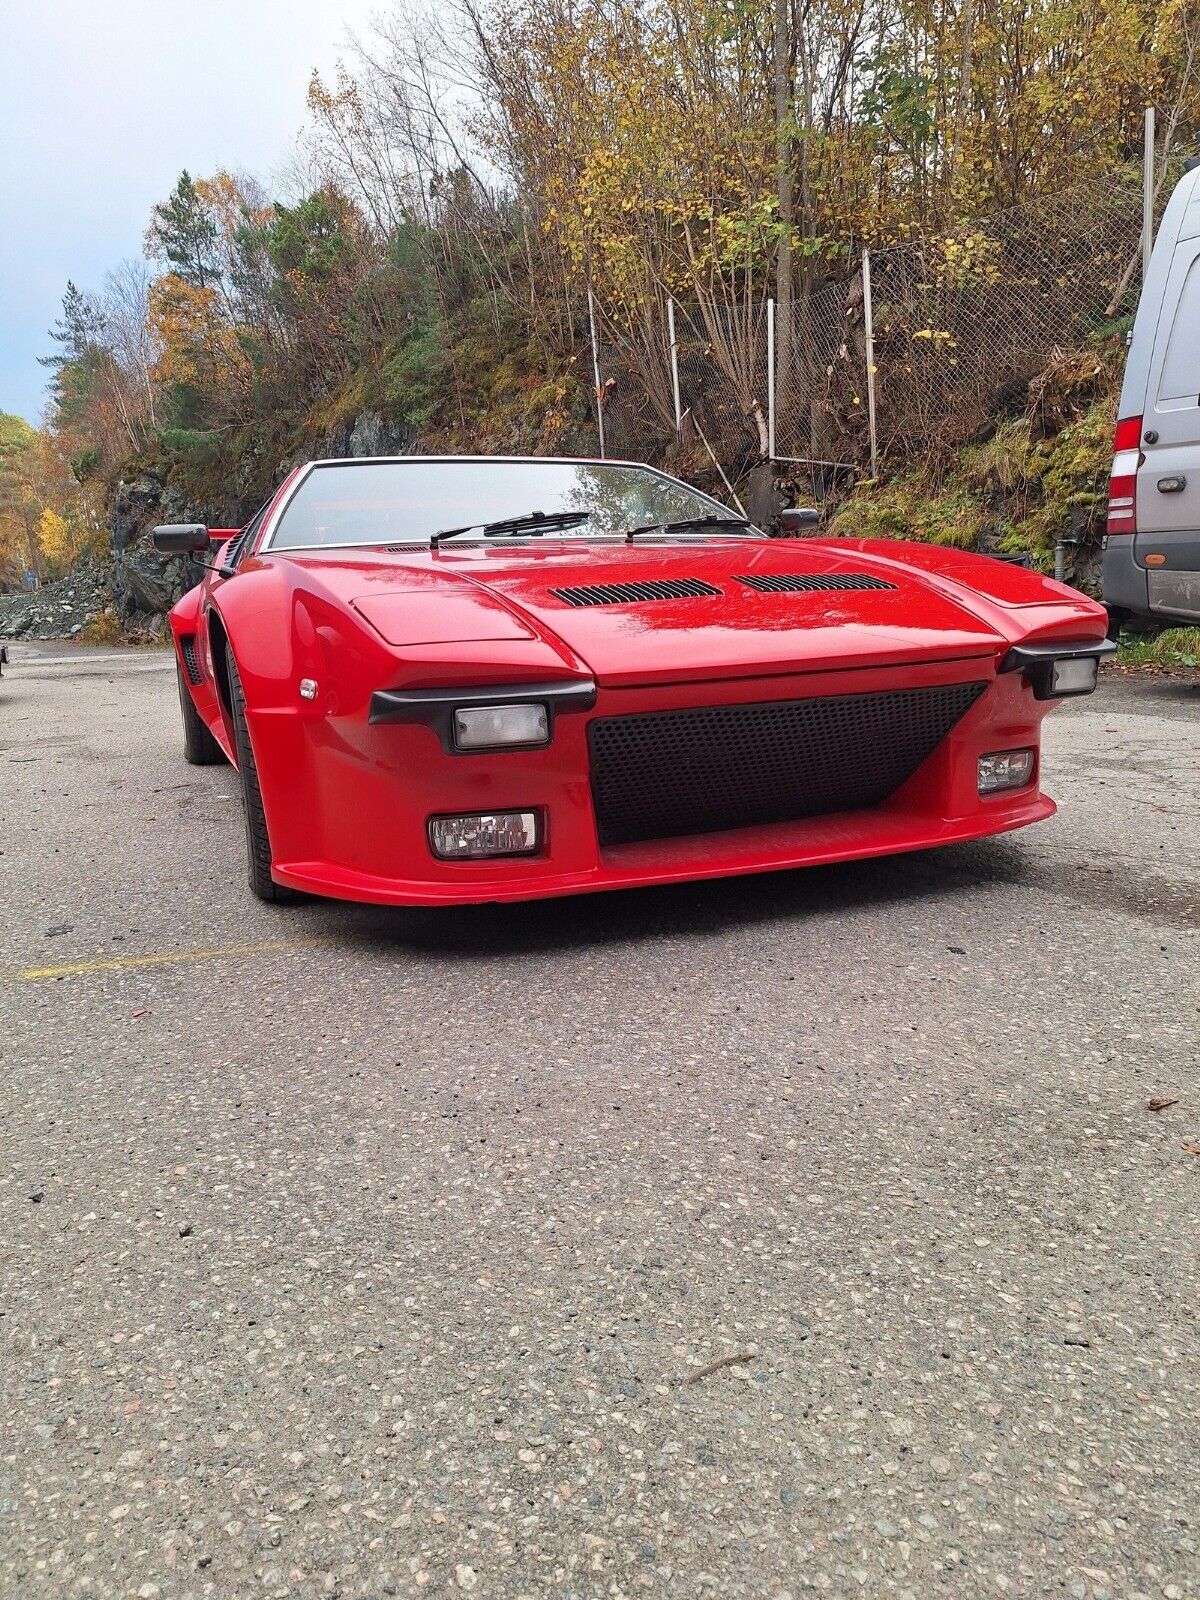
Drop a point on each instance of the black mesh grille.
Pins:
(804, 582)
(188, 645)
(624, 594)
(669, 773)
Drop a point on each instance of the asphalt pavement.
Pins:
(814, 1232)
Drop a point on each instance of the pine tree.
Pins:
(183, 232)
(78, 363)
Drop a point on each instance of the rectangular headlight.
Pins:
(1073, 675)
(500, 727)
(1005, 769)
(484, 833)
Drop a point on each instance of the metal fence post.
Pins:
(674, 367)
(869, 332)
(771, 379)
(596, 368)
(1147, 191)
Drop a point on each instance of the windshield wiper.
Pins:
(685, 523)
(531, 522)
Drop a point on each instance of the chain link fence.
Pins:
(821, 378)
(958, 323)
(963, 318)
(630, 397)
(721, 362)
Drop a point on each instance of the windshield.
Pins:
(407, 502)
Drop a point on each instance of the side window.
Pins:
(1179, 381)
(246, 538)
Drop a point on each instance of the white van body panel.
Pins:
(1180, 223)
(1171, 407)
(1162, 386)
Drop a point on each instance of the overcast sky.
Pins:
(102, 102)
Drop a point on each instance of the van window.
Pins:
(1180, 380)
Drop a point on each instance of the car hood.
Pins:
(731, 607)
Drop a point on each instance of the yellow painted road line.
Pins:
(75, 969)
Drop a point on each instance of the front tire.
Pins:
(200, 749)
(258, 845)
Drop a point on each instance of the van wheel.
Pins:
(200, 749)
(258, 845)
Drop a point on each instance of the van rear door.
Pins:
(1167, 542)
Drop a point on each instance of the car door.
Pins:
(1167, 542)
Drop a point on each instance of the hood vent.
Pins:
(810, 582)
(628, 594)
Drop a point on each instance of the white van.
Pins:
(1152, 547)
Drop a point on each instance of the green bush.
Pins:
(1172, 647)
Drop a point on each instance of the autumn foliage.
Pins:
(469, 172)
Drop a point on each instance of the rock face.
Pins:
(764, 498)
(135, 507)
(372, 435)
(144, 584)
(368, 435)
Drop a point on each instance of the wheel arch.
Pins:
(252, 636)
(218, 639)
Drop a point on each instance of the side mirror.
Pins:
(181, 539)
(797, 520)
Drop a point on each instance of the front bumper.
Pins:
(819, 841)
(348, 801)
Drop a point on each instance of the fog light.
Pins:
(1073, 675)
(500, 727)
(1005, 769)
(484, 833)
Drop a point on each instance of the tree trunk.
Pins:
(783, 191)
(966, 63)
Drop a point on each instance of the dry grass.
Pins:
(103, 628)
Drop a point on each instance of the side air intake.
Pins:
(187, 645)
(810, 582)
(630, 594)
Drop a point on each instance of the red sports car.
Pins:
(447, 680)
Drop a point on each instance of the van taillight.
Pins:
(1122, 486)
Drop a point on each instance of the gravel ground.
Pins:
(355, 1252)
(57, 610)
